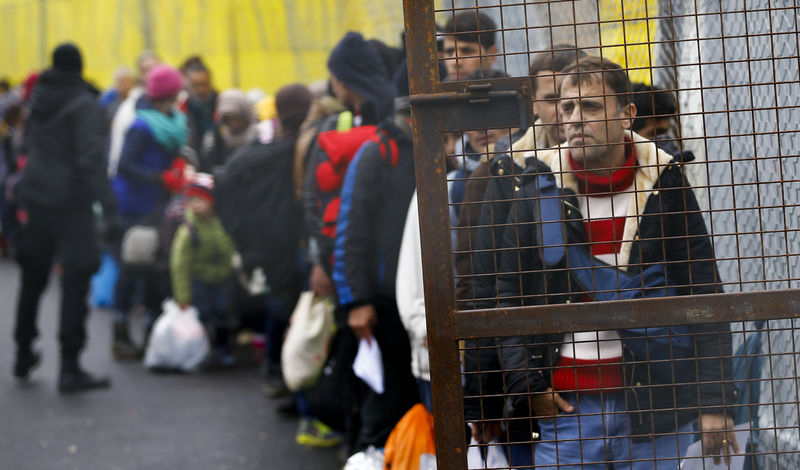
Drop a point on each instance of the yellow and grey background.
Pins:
(268, 43)
(246, 43)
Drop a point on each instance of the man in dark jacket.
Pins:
(201, 103)
(374, 201)
(65, 175)
(633, 224)
(361, 83)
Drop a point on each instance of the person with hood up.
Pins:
(65, 175)
(359, 80)
(375, 198)
(148, 172)
(234, 128)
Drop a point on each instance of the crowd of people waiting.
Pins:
(256, 199)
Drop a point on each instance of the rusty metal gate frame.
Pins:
(439, 107)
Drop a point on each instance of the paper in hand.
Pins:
(368, 365)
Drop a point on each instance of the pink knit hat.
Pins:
(163, 81)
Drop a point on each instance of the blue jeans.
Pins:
(424, 389)
(211, 302)
(597, 436)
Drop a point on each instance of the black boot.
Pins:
(27, 360)
(74, 379)
(123, 348)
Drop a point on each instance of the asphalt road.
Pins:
(216, 420)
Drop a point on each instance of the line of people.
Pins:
(314, 190)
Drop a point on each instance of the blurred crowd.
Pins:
(236, 202)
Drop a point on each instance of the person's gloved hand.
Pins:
(172, 180)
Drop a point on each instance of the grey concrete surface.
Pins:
(217, 420)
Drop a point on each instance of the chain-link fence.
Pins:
(586, 304)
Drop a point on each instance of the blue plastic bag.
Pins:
(104, 282)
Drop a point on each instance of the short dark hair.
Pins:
(487, 74)
(651, 102)
(472, 26)
(194, 63)
(590, 69)
(12, 114)
(554, 60)
(5, 84)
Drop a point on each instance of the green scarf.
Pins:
(169, 130)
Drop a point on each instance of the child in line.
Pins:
(200, 264)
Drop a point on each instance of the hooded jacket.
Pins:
(65, 136)
(664, 226)
(357, 64)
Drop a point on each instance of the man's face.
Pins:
(145, 65)
(655, 126)
(594, 124)
(450, 140)
(235, 123)
(201, 207)
(199, 85)
(483, 141)
(124, 84)
(341, 92)
(545, 104)
(462, 58)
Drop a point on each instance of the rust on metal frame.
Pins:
(438, 108)
(446, 390)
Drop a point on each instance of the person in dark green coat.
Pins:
(200, 264)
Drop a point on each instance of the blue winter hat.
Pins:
(357, 64)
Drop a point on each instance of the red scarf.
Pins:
(591, 183)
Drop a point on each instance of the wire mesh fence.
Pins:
(617, 286)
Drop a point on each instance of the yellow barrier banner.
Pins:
(246, 43)
(626, 29)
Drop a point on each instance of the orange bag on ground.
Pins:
(410, 438)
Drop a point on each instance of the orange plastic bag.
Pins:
(410, 438)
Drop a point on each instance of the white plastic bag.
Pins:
(370, 459)
(495, 455)
(178, 340)
(427, 462)
(305, 347)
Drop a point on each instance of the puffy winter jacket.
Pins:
(201, 250)
(374, 202)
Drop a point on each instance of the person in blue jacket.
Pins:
(148, 171)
